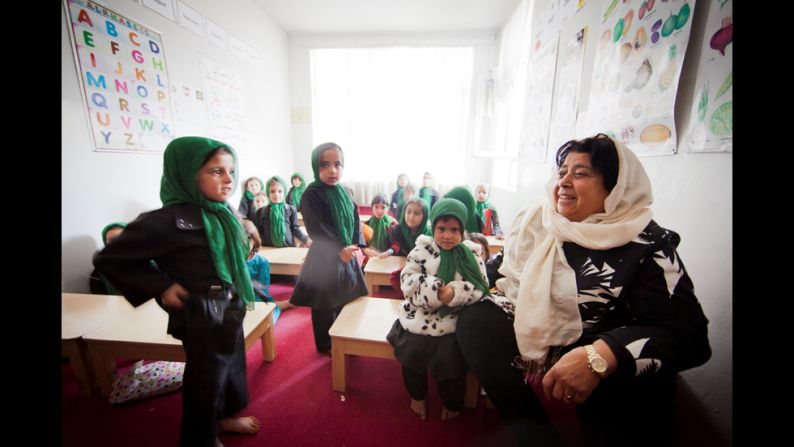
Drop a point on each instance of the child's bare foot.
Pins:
(246, 425)
(284, 305)
(448, 415)
(218, 443)
(418, 407)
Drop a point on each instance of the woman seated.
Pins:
(595, 300)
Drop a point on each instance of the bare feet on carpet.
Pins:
(284, 305)
(448, 415)
(247, 425)
(418, 407)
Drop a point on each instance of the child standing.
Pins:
(487, 212)
(426, 192)
(382, 225)
(331, 276)
(441, 275)
(201, 280)
(296, 191)
(397, 195)
(252, 186)
(259, 269)
(98, 283)
(278, 222)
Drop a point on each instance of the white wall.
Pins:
(692, 196)
(102, 187)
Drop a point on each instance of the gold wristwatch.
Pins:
(596, 363)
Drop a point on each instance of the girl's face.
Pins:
(296, 182)
(276, 192)
(413, 216)
(215, 178)
(427, 181)
(482, 194)
(447, 233)
(331, 167)
(259, 201)
(253, 186)
(379, 210)
(402, 181)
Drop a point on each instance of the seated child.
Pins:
(98, 283)
(397, 196)
(427, 192)
(251, 186)
(296, 191)
(413, 224)
(442, 274)
(259, 269)
(487, 212)
(260, 200)
(382, 225)
(278, 222)
(479, 238)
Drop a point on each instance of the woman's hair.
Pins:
(380, 198)
(483, 241)
(603, 156)
(252, 233)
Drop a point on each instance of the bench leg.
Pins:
(472, 390)
(269, 341)
(338, 365)
(77, 353)
(104, 368)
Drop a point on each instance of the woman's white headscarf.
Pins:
(537, 273)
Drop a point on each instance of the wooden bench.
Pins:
(82, 313)
(284, 260)
(361, 329)
(378, 270)
(141, 334)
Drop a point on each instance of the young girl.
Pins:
(442, 274)
(382, 225)
(201, 280)
(426, 192)
(397, 195)
(413, 223)
(259, 269)
(487, 212)
(278, 222)
(296, 191)
(252, 186)
(479, 238)
(472, 223)
(331, 276)
(98, 283)
(260, 200)
(409, 193)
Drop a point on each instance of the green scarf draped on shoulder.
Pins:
(277, 232)
(460, 259)
(409, 236)
(297, 191)
(464, 195)
(228, 243)
(341, 204)
(108, 286)
(380, 230)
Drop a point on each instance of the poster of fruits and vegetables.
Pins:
(537, 102)
(711, 120)
(639, 54)
(566, 96)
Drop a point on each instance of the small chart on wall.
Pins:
(123, 77)
(224, 99)
(639, 54)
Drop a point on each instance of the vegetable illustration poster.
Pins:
(121, 65)
(639, 54)
(711, 120)
(537, 104)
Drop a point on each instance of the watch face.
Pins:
(599, 365)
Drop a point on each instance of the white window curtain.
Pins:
(394, 110)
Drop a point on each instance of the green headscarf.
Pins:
(182, 160)
(338, 198)
(380, 226)
(482, 206)
(410, 238)
(276, 214)
(108, 286)
(460, 259)
(463, 194)
(248, 194)
(297, 191)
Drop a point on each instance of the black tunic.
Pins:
(291, 231)
(325, 282)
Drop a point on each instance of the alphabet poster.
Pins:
(121, 65)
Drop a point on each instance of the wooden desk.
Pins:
(361, 329)
(140, 334)
(82, 313)
(377, 271)
(494, 244)
(284, 260)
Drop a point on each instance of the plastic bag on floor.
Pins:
(147, 380)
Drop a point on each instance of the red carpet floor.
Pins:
(292, 396)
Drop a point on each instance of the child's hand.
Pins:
(174, 297)
(445, 294)
(308, 243)
(385, 254)
(347, 253)
(371, 252)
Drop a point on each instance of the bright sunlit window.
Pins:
(394, 110)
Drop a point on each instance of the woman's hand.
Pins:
(571, 380)
(445, 294)
(174, 297)
(347, 253)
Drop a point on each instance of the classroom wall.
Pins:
(103, 187)
(692, 196)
